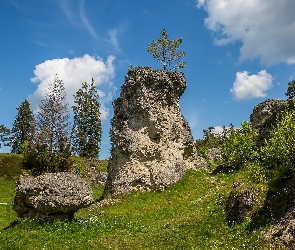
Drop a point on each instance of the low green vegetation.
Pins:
(187, 215)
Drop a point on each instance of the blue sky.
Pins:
(239, 53)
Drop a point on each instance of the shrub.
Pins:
(239, 147)
(279, 150)
(40, 160)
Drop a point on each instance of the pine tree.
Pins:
(86, 133)
(165, 51)
(23, 127)
(50, 149)
(52, 118)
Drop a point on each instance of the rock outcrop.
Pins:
(51, 196)
(265, 114)
(152, 142)
(239, 203)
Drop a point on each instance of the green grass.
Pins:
(185, 216)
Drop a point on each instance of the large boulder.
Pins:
(152, 143)
(51, 196)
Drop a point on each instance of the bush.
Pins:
(239, 146)
(279, 150)
(209, 140)
(40, 160)
(10, 166)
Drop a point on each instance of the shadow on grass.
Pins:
(279, 200)
(13, 224)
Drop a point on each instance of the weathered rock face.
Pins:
(151, 139)
(265, 114)
(51, 196)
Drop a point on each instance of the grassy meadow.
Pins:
(187, 215)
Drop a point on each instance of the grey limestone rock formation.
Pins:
(152, 142)
(51, 196)
(265, 114)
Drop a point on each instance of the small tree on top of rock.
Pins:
(291, 90)
(166, 52)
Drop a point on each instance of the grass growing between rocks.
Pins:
(185, 216)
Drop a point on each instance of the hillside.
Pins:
(187, 215)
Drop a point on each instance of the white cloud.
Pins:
(265, 27)
(251, 86)
(218, 130)
(74, 72)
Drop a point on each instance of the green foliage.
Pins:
(86, 132)
(4, 136)
(50, 148)
(39, 159)
(279, 150)
(52, 118)
(291, 90)
(239, 146)
(209, 140)
(10, 166)
(166, 52)
(23, 127)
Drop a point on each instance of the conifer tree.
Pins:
(166, 52)
(50, 149)
(86, 132)
(23, 127)
(53, 118)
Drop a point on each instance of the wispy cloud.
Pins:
(113, 40)
(86, 22)
(67, 10)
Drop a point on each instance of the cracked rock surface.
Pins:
(152, 143)
(51, 196)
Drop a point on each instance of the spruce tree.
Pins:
(22, 131)
(86, 132)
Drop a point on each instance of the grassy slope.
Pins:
(185, 216)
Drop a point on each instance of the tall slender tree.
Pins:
(86, 132)
(53, 118)
(50, 149)
(23, 127)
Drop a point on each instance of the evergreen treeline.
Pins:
(48, 139)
